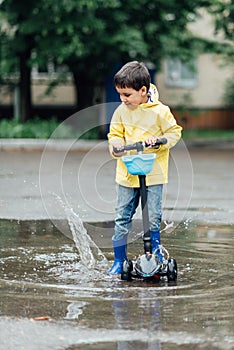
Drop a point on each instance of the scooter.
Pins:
(149, 266)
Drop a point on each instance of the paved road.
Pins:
(43, 181)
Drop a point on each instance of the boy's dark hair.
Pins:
(133, 75)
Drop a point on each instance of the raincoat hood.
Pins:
(153, 97)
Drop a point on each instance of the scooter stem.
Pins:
(145, 215)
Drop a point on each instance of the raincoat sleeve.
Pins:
(170, 129)
(116, 132)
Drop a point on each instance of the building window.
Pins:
(47, 69)
(181, 74)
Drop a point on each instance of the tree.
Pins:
(91, 36)
(18, 40)
(80, 41)
(223, 13)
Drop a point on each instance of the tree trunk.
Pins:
(84, 90)
(25, 86)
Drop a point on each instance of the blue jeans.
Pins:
(128, 200)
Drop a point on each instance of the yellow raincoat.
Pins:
(146, 120)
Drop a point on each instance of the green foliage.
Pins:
(92, 134)
(91, 36)
(43, 129)
(95, 34)
(223, 15)
(229, 93)
(35, 128)
(223, 12)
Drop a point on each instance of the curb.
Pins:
(86, 145)
(51, 145)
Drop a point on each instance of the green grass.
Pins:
(41, 129)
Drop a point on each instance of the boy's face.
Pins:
(131, 97)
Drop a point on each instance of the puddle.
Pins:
(42, 274)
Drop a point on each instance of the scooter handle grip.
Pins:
(135, 146)
(116, 150)
(140, 145)
(159, 142)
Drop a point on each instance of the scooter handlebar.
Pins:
(159, 142)
(139, 146)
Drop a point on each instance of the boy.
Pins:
(140, 117)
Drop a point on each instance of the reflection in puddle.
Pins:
(74, 309)
(41, 274)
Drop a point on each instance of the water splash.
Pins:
(89, 252)
(168, 225)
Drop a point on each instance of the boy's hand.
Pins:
(118, 149)
(151, 142)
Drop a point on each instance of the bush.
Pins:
(40, 129)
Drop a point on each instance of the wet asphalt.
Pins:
(40, 179)
(40, 274)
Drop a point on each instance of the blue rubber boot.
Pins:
(155, 239)
(120, 254)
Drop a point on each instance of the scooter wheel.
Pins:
(172, 270)
(127, 269)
